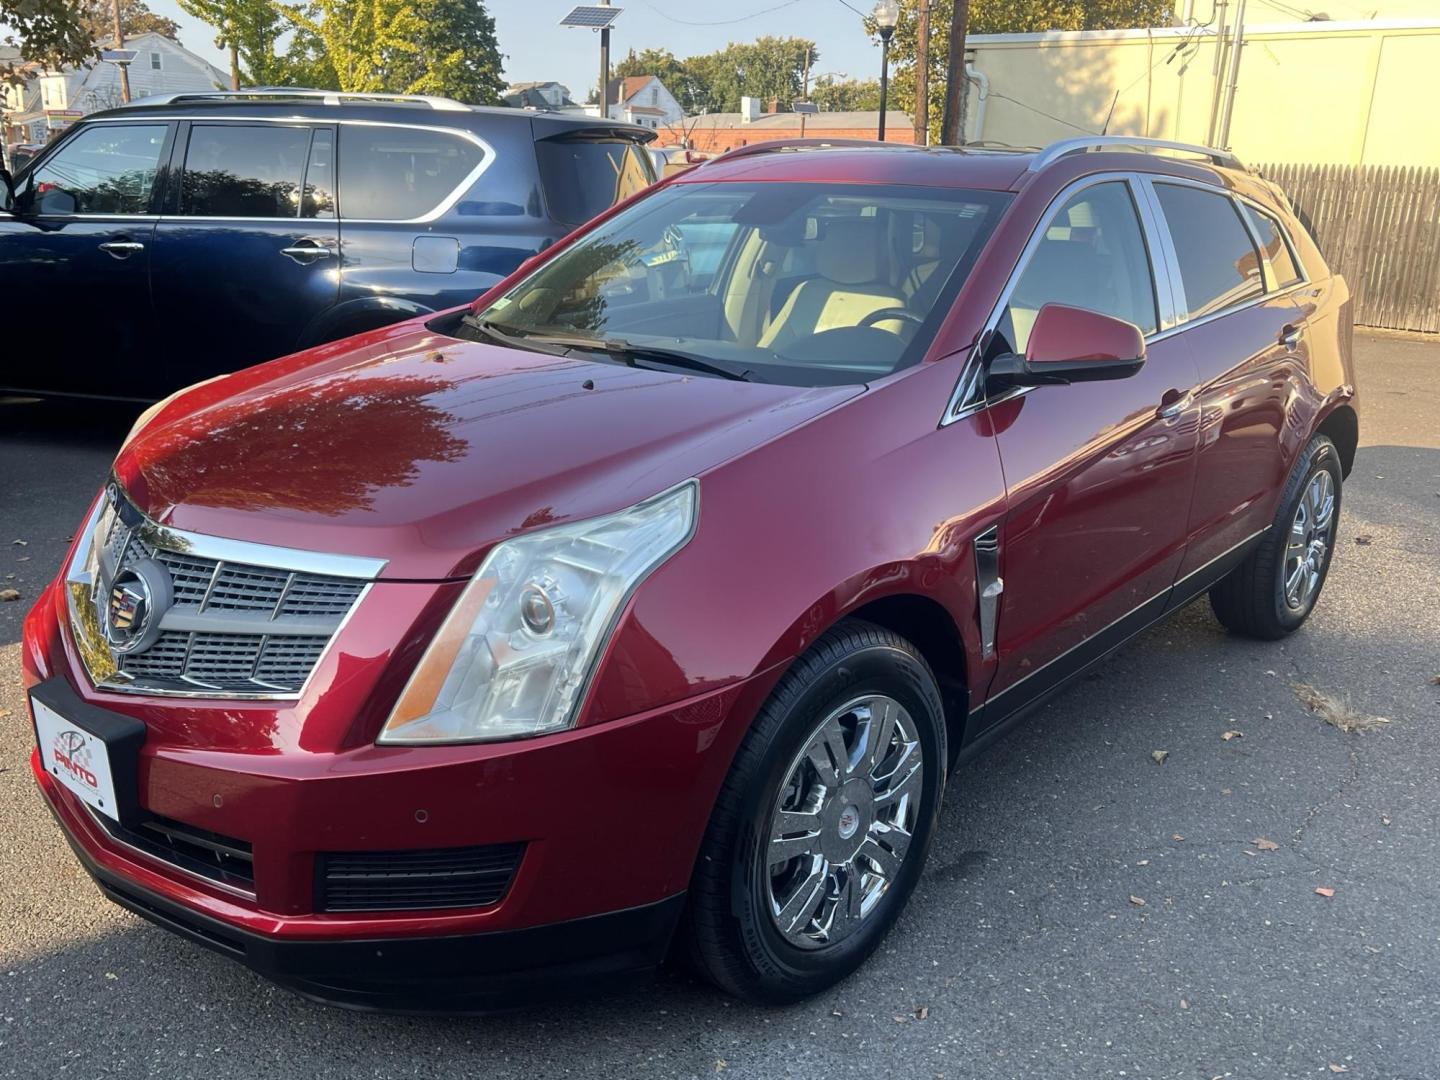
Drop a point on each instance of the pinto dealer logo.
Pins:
(72, 753)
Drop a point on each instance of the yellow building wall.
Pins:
(1352, 94)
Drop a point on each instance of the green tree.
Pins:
(849, 96)
(458, 56)
(135, 18)
(364, 40)
(1002, 17)
(248, 30)
(50, 32)
(770, 68)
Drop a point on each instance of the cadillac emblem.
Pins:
(139, 595)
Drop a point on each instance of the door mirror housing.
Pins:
(9, 194)
(1070, 344)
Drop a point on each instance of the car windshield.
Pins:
(797, 283)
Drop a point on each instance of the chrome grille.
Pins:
(229, 628)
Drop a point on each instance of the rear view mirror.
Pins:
(1069, 344)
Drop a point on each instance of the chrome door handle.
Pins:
(121, 249)
(307, 253)
(1290, 336)
(1176, 407)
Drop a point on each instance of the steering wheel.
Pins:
(891, 313)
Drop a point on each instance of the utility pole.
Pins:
(805, 89)
(922, 74)
(952, 121)
(605, 67)
(120, 44)
(1217, 69)
(1233, 80)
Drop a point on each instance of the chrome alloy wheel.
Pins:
(843, 821)
(1310, 540)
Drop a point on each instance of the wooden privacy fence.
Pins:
(1380, 227)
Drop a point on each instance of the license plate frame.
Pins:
(91, 752)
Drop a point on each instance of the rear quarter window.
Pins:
(401, 173)
(585, 177)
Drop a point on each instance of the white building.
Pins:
(643, 100)
(52, 100)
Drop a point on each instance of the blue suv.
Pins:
(194, 234)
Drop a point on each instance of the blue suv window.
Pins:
(237, 171)
(105, 169)
(585, 176)
(400, 173)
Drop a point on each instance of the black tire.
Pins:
(1251, 601)
(729, 935)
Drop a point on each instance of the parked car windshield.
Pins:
(798, 283)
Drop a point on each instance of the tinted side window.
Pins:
(1092, 256)
(319, 199)
(1218, 264)
(105, 169)
(1273, 246)
(584, 177)
(398, 173)
(237, 171)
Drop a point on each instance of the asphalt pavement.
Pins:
(1087, 911)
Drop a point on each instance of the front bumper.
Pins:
(610, 815)
(453, 973)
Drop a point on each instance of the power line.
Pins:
(719, 22)
(857, 11)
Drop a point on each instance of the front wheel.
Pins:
(1274, 590)
(822, 827)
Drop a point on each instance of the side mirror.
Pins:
(9, 182)
(1070, 344)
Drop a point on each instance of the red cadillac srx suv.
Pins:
(643, 606)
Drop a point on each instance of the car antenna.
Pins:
(1106, 129)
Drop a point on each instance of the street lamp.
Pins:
(886, 15)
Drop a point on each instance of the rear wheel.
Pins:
(822, 827)
(1274, 590)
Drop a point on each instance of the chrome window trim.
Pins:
(487, 158)
(964, 400)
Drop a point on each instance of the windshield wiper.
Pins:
(625, 352)
(631, 353)
(512, 337)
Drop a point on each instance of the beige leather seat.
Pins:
(850, 263)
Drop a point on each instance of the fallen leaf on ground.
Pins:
(1184, 1004)
(1383, 820)
(1233, 735)
(1137, 901)
(1226, 791)
(901, 1019)
(1159, 756)
(1338, 1068)
(1364, 541)
(922, 1011)
(1262, 844)
(721, 1065)
(7, 595)
(1323, 891)
(22, 543)
(1177, 836)
(1335, 711)
(1435, 680)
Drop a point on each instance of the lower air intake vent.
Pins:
(416, 880)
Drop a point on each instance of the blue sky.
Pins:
(536, 47)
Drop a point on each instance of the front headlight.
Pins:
(514, 655)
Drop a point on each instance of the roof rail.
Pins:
(1056, 150)
(772, 145)
(326, 97)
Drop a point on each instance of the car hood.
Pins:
(424, 450)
